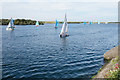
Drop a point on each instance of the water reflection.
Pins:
(64, 44)
(11, 35)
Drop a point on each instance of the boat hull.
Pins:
(65, 35)
(36, 25)
(10, 29)
(56, 27)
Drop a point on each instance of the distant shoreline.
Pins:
(73, 22)
(20, 22)
(32, 22)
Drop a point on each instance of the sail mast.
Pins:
(66, 23)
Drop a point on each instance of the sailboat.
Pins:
(64, 28)
(98, 22)
(84, 23)
(10, 25)
(37, 23)
(56, 24)
(106, 22)
(89, 22)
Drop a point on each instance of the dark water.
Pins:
(30, 52)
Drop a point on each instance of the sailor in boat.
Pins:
(63, 35)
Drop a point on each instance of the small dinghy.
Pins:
(98, 22)
(84, 23)
(106, 22)
(56, 23)
(11, 25)
(90, 23)
(64, 28)
(37, 24)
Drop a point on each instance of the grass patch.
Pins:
(93, 76)
(114, 74)
(114, 61)
(115, 71)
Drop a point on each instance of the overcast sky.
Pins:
(49, 10)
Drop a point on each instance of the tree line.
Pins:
(20, 22)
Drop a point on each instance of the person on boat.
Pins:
(66, 35)
(63, 35)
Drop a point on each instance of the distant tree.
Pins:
(19, 22)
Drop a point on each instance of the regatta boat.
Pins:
(37, 24)
(106, 22)
(98, 22)
(56, 24)
(84, 23)
(10, 25)
(90, 23)
(64, 28)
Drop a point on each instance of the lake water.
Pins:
(39, 52)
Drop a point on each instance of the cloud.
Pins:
(76, 11)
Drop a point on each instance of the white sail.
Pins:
(64, 27)
(106, 22)
(10, 25)
(37, 23)
(98, 22)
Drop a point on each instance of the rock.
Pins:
(112, 53)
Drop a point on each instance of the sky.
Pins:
(50, 10)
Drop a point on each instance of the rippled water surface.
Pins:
(30, 52)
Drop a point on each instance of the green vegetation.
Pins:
(93, 76)
(100, 69)
(115, 71)
(114, 61)
(113, 74)
(19, 22)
